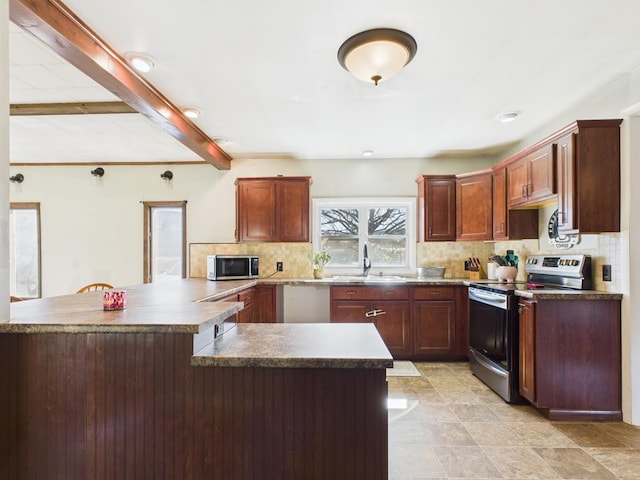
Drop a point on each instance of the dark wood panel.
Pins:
(131, 406)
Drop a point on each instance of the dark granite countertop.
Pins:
(311, 345)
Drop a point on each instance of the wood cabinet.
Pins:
(272, 209)
(436, 208)
(510, 224)
(434, 321)
(527, 383)
(246, 315)
(417, 322)
(531, 180)
(474, 210)
(570, 358)
(386, 307)
(588, 171)
(265, 301)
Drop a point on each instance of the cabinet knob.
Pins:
(520, 310)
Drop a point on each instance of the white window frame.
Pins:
(367, 202)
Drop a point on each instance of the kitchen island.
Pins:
(147, 392)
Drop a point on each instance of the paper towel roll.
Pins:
(491, 271)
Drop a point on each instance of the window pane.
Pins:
(387, 221)
(166, 243)
(388, 251)
(343, 251)
(24, 252)
(339, 221)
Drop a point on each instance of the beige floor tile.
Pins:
(466, 462)
(574, 464)
(419, 461)
(466, 396)
(493, 434)
(519, 462)
(587, 435)
(538, 434)
(622, 462)
(474, 413)
(449, 434)
(516, 413)
(629, 435)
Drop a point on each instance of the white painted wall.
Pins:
(4, 159)
(92, 227)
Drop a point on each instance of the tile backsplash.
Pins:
(296, 257)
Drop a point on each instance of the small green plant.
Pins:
(321, 258)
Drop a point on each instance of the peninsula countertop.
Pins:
(311, 345)
(184, 305)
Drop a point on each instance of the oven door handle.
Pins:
(480, 359)
(487, 297)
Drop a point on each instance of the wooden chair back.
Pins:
(15, 299)
(92, 287)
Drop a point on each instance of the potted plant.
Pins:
(320, 259)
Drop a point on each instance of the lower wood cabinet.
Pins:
(415, 322)
(259, 304)
(570, 358)
(388, 308)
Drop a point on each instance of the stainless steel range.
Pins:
(493, 317)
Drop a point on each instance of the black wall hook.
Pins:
(166, 175)
(17, 178)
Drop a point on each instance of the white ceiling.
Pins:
(267, 77)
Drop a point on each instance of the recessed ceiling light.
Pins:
(221, 140)
(140, 61)
(507, 117)
(191, 112)
(367, 153)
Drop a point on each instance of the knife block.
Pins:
(475, 275)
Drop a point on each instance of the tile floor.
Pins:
(454, 427)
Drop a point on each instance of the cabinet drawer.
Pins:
(246, 297)
(230, 298)
(370, 293)
(434, 293)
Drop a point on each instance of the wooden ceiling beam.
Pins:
(58, 27)
(78, 108)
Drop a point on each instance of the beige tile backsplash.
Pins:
(603, 248)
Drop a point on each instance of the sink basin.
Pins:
(369, 279)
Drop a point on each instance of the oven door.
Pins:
(493, 340)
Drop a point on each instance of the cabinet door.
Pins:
(542, 174)
(434, 328)
(393, 324)
(264, 304)
(510, 224)
(500, 204)
(292, 210)
(517, 179)
(350, 312)
(566, 191)
(436, 208)
(256, 220)
(246, 314)
(474, 213)
(527, 332)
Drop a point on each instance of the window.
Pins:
(165, 226)
(24, 250)
(344, 226)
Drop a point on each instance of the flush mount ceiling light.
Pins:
(367, 153)
(377, 55)
(140, 61)
(221, 140)
(507, 117)
(191, 112)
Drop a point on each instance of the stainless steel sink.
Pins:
(369, 278)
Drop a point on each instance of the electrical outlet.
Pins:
(279, 266)
(606, 273)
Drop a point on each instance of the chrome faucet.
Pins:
(366, 264)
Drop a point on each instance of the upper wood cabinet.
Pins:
(272, 209)
(436, 208)
(510, 224)
(474, 211)
(531, 179)
(588, 170)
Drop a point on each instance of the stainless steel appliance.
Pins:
(232, 267)
(493, 317)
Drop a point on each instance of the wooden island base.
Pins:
(131, 405)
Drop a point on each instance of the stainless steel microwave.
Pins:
(232, 267)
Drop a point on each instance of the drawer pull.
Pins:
(374, 313)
